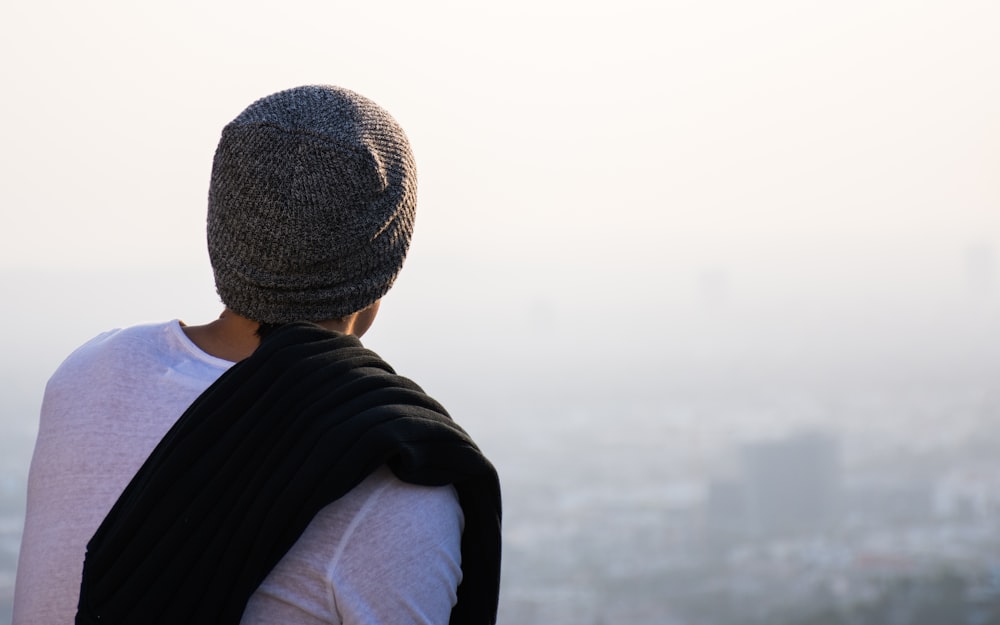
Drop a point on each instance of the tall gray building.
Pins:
(792, 484)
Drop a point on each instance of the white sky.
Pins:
(798, 160)
(548, 127)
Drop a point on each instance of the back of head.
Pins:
(311, 206)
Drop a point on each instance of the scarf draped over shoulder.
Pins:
(240, 475)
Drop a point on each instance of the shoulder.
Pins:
(384, 493)
(139, 340)
(111, 345)
(135, 351)
(387, 514)
(128, 373)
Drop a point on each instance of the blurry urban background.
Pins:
(715, 284)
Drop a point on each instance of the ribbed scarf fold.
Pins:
(237, 479)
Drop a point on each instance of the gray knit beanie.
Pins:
(311, 206)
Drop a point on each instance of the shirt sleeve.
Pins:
(387, 553)
(399, 562)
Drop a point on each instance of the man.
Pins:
(305, 484)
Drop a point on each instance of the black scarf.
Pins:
(237, 479)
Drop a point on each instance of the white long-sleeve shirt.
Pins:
(386, 553)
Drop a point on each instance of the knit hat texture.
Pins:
(311, 206)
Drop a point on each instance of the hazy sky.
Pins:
(818, 169)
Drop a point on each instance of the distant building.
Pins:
(792, 484)
(726, 511)
(971, 492)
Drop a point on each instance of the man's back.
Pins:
(387, 552)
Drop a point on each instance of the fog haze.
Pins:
(665, 254)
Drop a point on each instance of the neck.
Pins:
(233, 337)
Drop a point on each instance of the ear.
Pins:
(363, 319)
